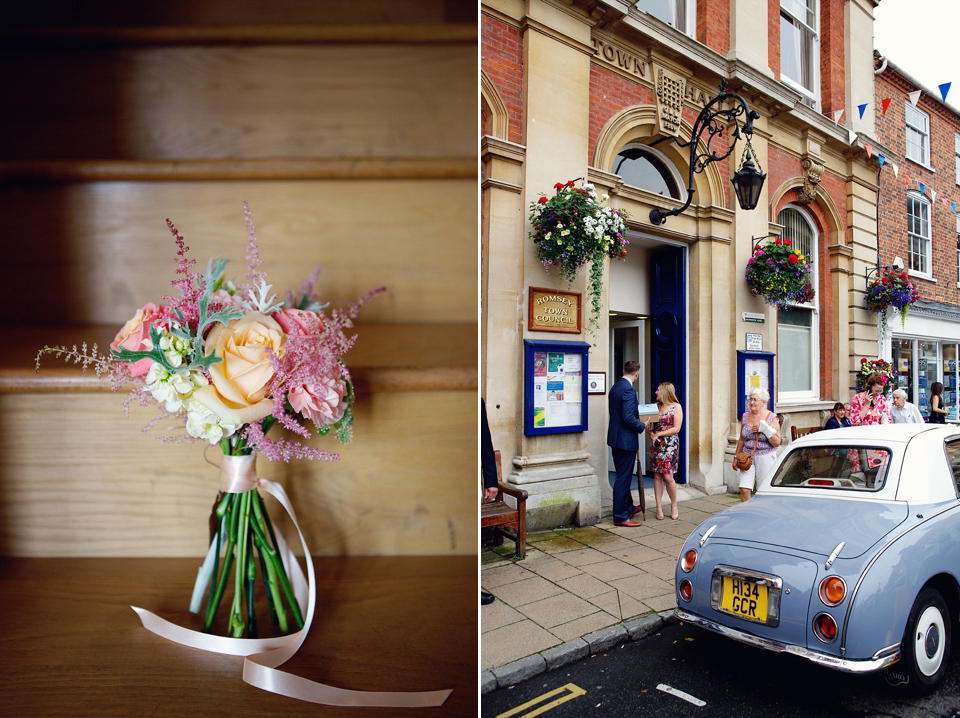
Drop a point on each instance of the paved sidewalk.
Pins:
(582, 590)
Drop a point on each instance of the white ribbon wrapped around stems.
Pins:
(264, 655)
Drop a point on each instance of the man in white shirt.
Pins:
(902, 411)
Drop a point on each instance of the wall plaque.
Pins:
(671, 90)
(553, 310)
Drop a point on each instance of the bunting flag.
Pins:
(944, 89)
(953, 206)
(868, 148)
(914, 96)
(907, 176)
(886, 103)
(881, 159)
(853, 136)
(896, 169)
(862, 108)
(923, 188)
(933, 195)
(837, 115)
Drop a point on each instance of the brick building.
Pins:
(606, 90)
(919, 230)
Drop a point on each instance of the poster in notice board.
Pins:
(555, 387)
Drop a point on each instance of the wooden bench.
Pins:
(505, 520)
(796, 433)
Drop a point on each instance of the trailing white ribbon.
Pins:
(264, 655)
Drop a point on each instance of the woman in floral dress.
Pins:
(870, 406)
(665, 447)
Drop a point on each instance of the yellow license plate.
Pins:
(744, 599)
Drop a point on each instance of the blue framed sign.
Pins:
(754, 370)
(554, 387)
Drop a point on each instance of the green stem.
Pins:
(271, 577)
(238, 623)
(263, 573)
(274, 557)
(231, 527)
(250, 579)
(216, 567)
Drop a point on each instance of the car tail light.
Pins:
(825, 627)
(686, 589)
(832, 590)
(688, 560)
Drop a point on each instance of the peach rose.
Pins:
(297, 321)
(238, 393)
(135, 334)
(321, 404)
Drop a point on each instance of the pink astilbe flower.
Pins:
(306, 292)
(189, 284)
(254, 274)
(283, 449)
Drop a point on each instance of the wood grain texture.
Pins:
(75, 648)
(337, 168)
(249, 102)
(217, 13)
(79, 479)
(361, 34)
(386, 357)
(100, 250)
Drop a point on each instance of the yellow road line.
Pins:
(572, 691)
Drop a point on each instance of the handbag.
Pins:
(742, 460)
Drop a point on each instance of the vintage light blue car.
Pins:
(848, 555)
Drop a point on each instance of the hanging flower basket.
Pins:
(779, 274)
(885, 369)
(573, 228)
(891, 289)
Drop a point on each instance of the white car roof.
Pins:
(919, 472)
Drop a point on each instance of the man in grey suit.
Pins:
(623, 437)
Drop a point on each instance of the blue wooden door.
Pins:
(668, 332)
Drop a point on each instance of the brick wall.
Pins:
(891, 130)
(773, 37)
(832, 74)
(713, 24)
(611, 93)
(501, 57)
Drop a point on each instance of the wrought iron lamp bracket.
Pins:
(710, 124)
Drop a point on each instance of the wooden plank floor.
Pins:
(72, 645)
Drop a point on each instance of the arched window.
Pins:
(647, 168)
(798, 351)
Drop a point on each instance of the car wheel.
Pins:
(926, 641)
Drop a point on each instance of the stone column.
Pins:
(553, 469)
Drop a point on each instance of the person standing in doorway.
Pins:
(665, 447)
(623, 438)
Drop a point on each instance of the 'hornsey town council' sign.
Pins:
(552, 310)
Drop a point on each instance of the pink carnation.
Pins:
(322, 404)
(136, 332)
(297, 322)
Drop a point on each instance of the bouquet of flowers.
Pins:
(885, 369)
(573, 228)
(231, 361)
(779, 274)
(892, 288)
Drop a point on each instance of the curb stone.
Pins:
(566, 653)
(520, 670)
(488, 682)
(606, 637)
(574, 650)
